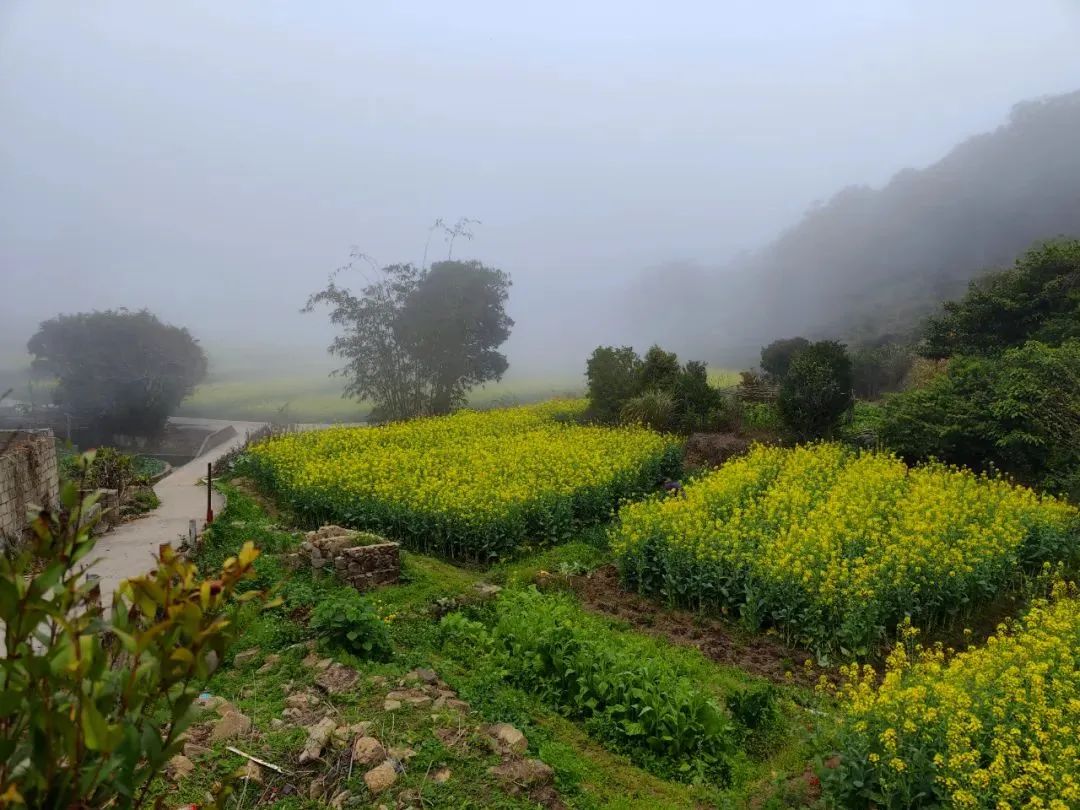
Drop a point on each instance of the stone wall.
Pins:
(363, 560)
(28, 476)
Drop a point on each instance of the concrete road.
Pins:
(129, 550)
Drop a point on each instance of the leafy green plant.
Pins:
(627, 695)
(756, 712)
(348, 620)
(93, 704)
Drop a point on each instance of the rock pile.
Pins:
(361, 559)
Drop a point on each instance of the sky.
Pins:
(214, 161)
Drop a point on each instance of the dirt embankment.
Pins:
(717, 639)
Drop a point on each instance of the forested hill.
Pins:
(871, 262)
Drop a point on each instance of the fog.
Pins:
(214, 161)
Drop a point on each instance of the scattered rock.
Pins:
(420, 674)
(380, 778)
(179, 767)
(391, 705)
(507, 739)
(277, 723)
(317, 788)
(343, 735)
(377, 680)
(291, 715)
(486, 590)
(524, 773)
(368, 751)
(242, 659)
(339, 800)
(418, 700)
(311, 659)
(301, 700)
(337, 678)
(232, 725)
(194, 750)
(441, 775)
(271, 661)
(457, 705)
(252, 773)
(318, 736)
(402, 754)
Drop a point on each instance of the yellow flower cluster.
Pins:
(475, 485)
(996, 726)
(835, 547)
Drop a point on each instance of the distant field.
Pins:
(258, 385)
(318, 399)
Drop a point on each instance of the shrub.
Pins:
(94, 704)
(756, 711)
(1018, 412)
(699, 406)
(816, 391)
(614, 376)
(348, 620)
(109, 469)
(654, 409)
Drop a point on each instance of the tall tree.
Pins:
(414, 340)
(124, 372)
(452, 324)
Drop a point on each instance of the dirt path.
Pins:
(128, 550)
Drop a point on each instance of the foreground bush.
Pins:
(993, 727)
(348, 620)
(473, 485)
(834, 547)
(93, 705)
(627, 693)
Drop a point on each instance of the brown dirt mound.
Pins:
(713, 449)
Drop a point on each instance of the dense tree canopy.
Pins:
(777, 356)
(415, 341)
(1038, 299)
(124, 372)
(1018, 412)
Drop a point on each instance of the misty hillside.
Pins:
(872, 262)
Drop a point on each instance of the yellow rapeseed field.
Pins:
(997, 726)
(835, 547)
(475, 485)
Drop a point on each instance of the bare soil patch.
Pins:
(717, 639)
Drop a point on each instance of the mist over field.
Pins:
(631, 165)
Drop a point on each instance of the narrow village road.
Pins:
(129, 549)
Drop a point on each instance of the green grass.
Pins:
(318, 398)
(587, 775)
